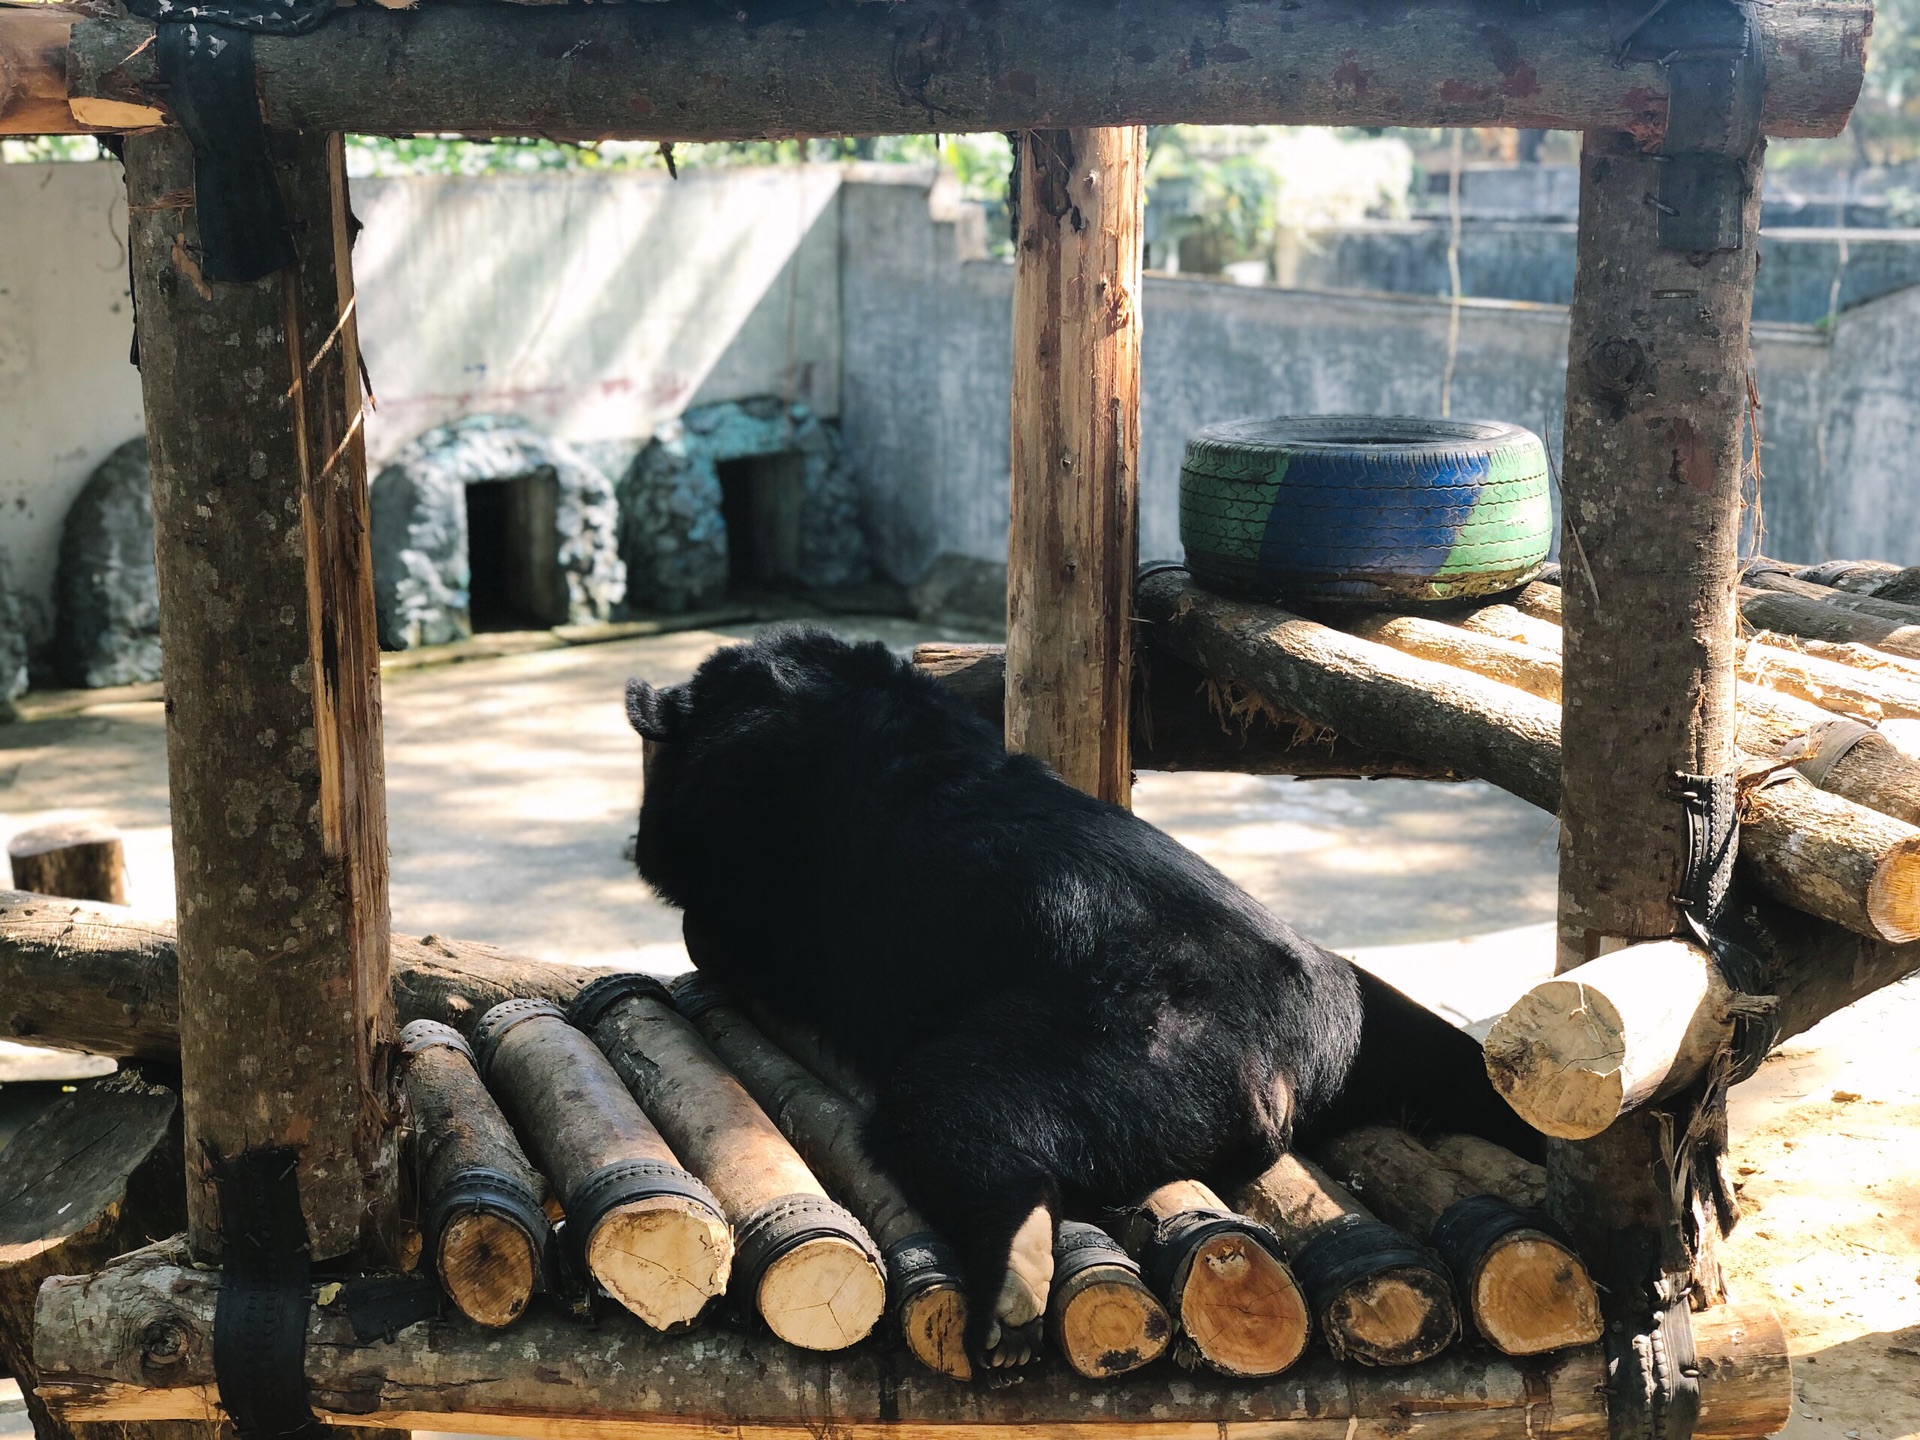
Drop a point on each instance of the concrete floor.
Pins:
(512, 785)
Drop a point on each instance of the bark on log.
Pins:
(1234, 1301)
(1493, 1168)
(812, 1050)
(1578, 1051)
(1397, 1311)
(1527, 1292)
(1073, 536)
(84, 976)
(94, 1175)
(1101, 1316)
(273, 698)
(1178, 726)
(661, 72)
(1541, 601)
(822, 1291)
(1484, 653)
(1509, 622)
(479, 1196)
(1819, 620)
(664, 1255)
(1872, 603)
(79, 861)
(33, 80)
(1831, 677)
(929, 1300)
(1824, 854)
(620, 1379)
(1878, 578)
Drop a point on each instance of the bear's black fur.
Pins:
(1057, 1004)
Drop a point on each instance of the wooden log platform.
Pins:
(1237, 1305)
(1102, 1319)
(663, 72)
(811, 1269)
(621, 1380)
(1376, 1297)
(637, 1221)
(78, 860)
(1813, 850)
(928, 1297)
(1527, 1292)
(1493, 1168)
(480, 1200)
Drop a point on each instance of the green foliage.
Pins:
(39, 149)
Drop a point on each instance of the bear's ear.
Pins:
(654, 713)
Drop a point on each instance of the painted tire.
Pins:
(1347, 507)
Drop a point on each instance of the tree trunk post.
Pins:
(1073, 544)
(1657, 397)
(273, 704)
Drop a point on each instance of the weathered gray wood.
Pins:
(96, 1174)
(559, 1379)
(1073, 536)
(1180, 722)
(1790, 614)
(273, 712)
(678, 72)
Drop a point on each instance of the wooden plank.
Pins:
(272, 675)
(557, 1377)
(678, 72)
(1073, 540)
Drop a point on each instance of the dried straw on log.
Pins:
(1101, 1316)
(813, 1272)
(1527, 1291)
(660, 71)
(1578, 1051)
(1181, 723)
(1493, 1168)
(80, 861)
(636, 1220)
(929, 1300)
(1376, 1297)
(622, 1380)
(480, 1199)
(1813, 850)
(1231, 1295)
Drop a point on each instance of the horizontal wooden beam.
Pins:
(136, 1340)
(696, 72)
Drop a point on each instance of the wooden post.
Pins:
(273, 703)
(1657, 396)
(1073, 544)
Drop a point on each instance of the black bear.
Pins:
(1057, 1005)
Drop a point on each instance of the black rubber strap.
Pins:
(417, 1036)
(266, 1294)
(1176, 1238)
(1711, 807)
(591, 1005)
(1653, 1377)
(1831, 740)
(698, 993)
(621, 1183)
(208, 71)
(268, 17)
(1470, 1227)
(495, 1024)
(919, 1262)
(485, 1191)
(786, 1223)
(379, 1307)
(1346, 1250)
(1080, 1247)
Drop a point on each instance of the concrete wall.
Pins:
(67, 393)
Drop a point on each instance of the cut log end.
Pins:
(488, 1266)
(1394, 1317)
(663, 1258)
(1556, 1058)
(1893, 895)
(1242, 1308)
(934, 1323)
(78, 861)
(824, 1294)
(1105, 1323)
(1532, 1296)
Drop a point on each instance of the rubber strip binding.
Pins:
(266, 1294)
(784, 1224)
(1348, 1249)
(591, 1005)
(1177, 1237)
(920, 1262)
(495, 1024)
(1474, 1224)
(1080, 1247)
(698, 993)
(482, 1190)
(419, 1036)
(621, 1183)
